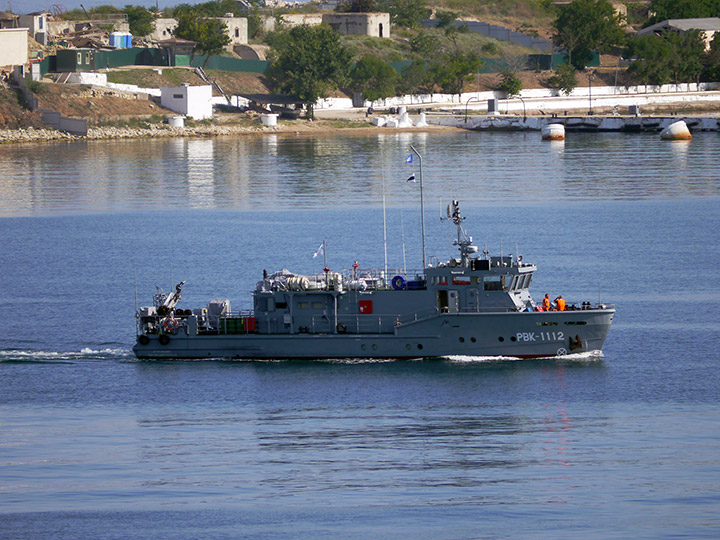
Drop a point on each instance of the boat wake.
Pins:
(588, 356)
(86, 353)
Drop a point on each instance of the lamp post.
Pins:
(591, 76)
(466, 106)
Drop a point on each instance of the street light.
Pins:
(507, 105)
(466, 106)
(591, 76)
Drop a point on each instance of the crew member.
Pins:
(560, 302)
(546, 303)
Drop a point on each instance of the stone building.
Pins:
(237, 28)
(360, 24)
(354, 24)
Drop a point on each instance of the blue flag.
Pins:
(409, 159)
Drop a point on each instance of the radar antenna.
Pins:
(464, 242)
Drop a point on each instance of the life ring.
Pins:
(341, 328)
(164, 339)
(398, 283)
(143, 339)
(170, 324)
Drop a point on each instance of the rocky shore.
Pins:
(157, 131)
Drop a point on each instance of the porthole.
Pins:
(501, 338)
(513, 338)
(363, 347)
(420, 346)
(408, 346)
(473, 339)
(374, 347)
(462, 340)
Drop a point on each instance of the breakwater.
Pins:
(609, 123)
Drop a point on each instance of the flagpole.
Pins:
(324, 255)
(422, 205)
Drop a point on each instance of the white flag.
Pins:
(319, 251)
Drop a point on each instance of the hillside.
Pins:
(13, 115)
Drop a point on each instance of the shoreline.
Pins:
(31, 134)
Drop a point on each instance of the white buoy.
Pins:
(677, 131)
(553, 132)
(269, 119)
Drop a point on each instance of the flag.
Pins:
(412, 178)
(319, 251)
(408, 159)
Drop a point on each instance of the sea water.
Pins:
(95, 444)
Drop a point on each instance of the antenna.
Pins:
(402, 235)
(382, 176)
(135, 278)
(136, 298)
(422, 205)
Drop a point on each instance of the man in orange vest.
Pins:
(560, 302)
(546, 303)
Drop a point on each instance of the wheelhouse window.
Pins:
(495, 283)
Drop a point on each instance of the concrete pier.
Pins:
(575, 123)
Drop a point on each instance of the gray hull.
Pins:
(520, 335)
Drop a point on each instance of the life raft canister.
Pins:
(170, 324)
(398, 283)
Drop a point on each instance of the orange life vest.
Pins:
(546, 304)
(561, 304)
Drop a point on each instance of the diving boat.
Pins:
(470, 305)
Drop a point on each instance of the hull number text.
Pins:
(540, 336)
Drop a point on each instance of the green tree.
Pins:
(416, 78)
(425, 44)
(311, 63)
(712, 60)
(188, 27)
(406, 13)
(688, 65)
(668, 57)
(683, 9)
(565, 79)
(652, 58)
(584, 25)
(446, 22)
(374, 77)
(210, 35)
(213, 38)
(510, 83)
(255, 23)
(140, 20)
(453, 70)
(358, 6)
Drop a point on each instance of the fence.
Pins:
(54, 119)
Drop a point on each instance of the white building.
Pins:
(36, 24)
(192, 101)
(13, 46)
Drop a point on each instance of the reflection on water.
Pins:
(312, 172)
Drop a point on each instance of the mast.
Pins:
(464, 242)
(422, 206)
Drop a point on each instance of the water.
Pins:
(95, 444)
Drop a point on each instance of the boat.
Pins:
(472, 304)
